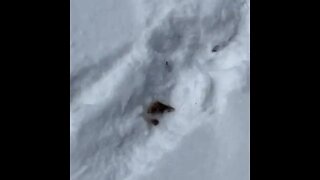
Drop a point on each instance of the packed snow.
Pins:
(192, 55)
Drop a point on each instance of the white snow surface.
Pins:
(119, 50)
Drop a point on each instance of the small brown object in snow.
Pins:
(154, 121)
(158, 107)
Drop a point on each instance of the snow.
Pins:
(125, 54)
(212, 151)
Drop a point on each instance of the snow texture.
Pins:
(126, 54)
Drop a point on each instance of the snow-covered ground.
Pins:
(212, 151)
(119, 50)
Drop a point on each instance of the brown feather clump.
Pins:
(158, 107)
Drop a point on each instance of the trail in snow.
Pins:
(109, 95)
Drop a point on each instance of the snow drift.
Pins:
(170, 60)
